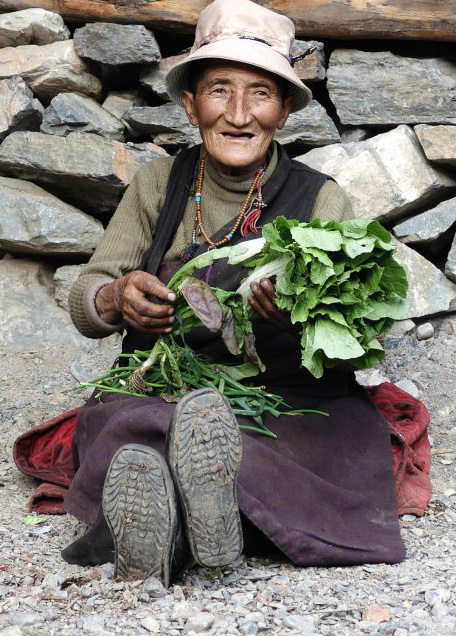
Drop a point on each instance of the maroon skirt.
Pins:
(322, 492)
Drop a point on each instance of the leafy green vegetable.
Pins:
(338, 281)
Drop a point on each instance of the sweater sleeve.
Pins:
(332, 204)
(126, 239)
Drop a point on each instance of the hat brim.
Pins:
(245, 51)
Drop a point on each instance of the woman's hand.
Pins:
(126, 299)
(262, 301)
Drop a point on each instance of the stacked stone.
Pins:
(81, 111)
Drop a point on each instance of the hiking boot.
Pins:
(204, 455)
(140, 507)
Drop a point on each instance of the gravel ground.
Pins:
(40, 595)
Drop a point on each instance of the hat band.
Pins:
(240, 37)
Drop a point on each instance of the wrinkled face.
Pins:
(238, 108)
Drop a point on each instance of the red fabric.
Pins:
(408, 421)
(45, 452)
(48, 499)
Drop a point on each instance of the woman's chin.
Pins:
(237, 163)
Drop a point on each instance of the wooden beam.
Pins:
(433, 20)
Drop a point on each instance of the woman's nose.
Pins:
(238, 110)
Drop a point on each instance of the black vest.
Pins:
(290, 191)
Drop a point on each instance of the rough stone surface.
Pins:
(50, 69)
(430, 292)
(439, 143)
(425, 331)
(118, 102)
(153, 77)
(19, 110)
(311, 68)
(32, 221)
(429, 226)
(116, 44)
(31, 316)
(32, 26)
(308, 128)
(450, 265)
(385, 177)
(64, 277)
(71, 112)
(380, 88)
(168, 125)
(89, 171)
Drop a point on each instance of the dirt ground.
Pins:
(38, 384)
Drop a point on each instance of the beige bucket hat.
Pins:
(242, 31)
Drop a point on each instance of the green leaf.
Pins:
(33, 519)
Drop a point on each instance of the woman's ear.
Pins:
(189, 105)
(286, 110)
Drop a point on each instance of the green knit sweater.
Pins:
(131, 229)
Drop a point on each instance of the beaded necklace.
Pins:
(248, 215)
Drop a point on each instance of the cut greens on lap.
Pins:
(338, 281)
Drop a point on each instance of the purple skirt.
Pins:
(322, 492)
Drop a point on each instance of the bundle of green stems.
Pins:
(171, 369)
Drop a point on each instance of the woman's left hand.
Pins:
(262, 302)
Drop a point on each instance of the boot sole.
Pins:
(204, 455)
(139, 505)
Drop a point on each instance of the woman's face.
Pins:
(238, 108)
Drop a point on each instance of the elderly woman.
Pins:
(159, 484)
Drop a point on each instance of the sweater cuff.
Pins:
(88, 304)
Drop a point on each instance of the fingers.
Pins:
(145, 303)
(262, 301)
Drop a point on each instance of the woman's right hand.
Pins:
(126, 299)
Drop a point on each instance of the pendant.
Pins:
(189, 252)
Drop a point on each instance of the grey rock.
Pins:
(151, 624)
(311, 68)
(200, 622)
(438, 595)
(167, 124)
(249, 628)
(439, 143)
(50, 69)
(308, 128)
(118, 102)
(30, 315)
(25, 619)
(154, 587)
(32, 221)
(153, 77)
(64, 277)
(401, 327)
(430, 292)
(353, 135)
(116, 44)
(385, 177)
(19, 110)
(89, 171)
(71, 112)
(305, 625)
(428, 227)
(31, 26)
(425, 331)
(450, 265)
(380, 88)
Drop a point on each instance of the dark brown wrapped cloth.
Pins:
(323, 492)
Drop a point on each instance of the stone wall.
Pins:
(83, 106)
